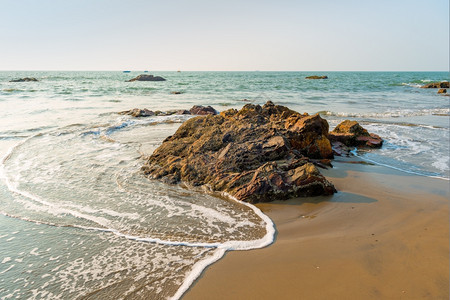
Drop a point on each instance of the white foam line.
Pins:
(197, 270)
(254, 244)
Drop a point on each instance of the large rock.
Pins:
(147, 78)
(256, 154)
(351, 134)
(25, 79)
(437, 85)
(316, 77)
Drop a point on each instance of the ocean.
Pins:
(78, 219)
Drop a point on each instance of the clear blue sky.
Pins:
(319, 35)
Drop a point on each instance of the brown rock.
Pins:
(249, 154)
(136, 112)
(442, 91)
(316, 77)
(437, 85)
(202, 110)
(146, 78)
(313, 136)
(351, 134)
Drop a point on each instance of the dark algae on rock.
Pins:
(256, 154)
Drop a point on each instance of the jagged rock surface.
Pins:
(256, 154)
(351, 134)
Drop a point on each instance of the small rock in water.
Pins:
(442, 91)
(316, 77)
(437, 85)
(202, 110)
(136, 112)
(25, 79)
(146, 78)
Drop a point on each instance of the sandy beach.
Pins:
(384, 235)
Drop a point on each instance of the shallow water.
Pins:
(78, 219)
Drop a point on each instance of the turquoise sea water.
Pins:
(77, 219)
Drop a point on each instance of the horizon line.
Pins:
(144, 70)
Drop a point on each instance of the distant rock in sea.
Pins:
(145, 77)
(436, 85)
(442, 91)
(256, 154)
(25, 79)
(316, 77)
(176, 92)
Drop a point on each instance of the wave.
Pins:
(390, 114)
(105, 225)
(411, 84)
(355, 153)
(199, 267)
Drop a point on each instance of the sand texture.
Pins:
(385, 235)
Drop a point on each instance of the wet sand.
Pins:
(384, 235)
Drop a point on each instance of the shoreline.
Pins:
(385, 235)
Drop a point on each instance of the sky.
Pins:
(232, 35)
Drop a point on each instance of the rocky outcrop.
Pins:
(316, 77)
(351, 134)
(442, 91)
(202, 110)
(146, 78)
(195, 110)
(137, 112)
(256, 154)
(437, 85)
(25, 79)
